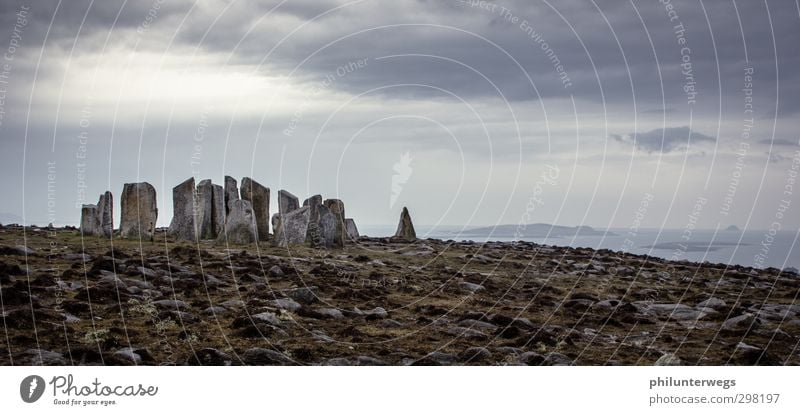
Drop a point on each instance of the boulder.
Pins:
(231, 192)
(90, 220)
(351, 230)
(405, 229)
(287, 202)
(219, 212)
(139, 211)
(185, 212)
(292, 227)
(240, 226)
(258, 196)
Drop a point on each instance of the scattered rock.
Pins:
(474, 355)
(260, 356)
(209, 357)
(741, 323)
(668, 359)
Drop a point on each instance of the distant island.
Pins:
(534, 230)
(732, 228)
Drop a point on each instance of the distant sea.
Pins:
(726, 247)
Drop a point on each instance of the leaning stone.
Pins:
(287, 202)
(185, 209)
(292, 227)
(240, 226)
(405, 229)
(231, 192)
(351, 230)
(139, 211)
(258, 196)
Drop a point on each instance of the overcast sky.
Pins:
(453, 108)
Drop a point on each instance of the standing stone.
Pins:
(185, 212)
(210, 210)
(105, 214)
(287, 202)
(218, 209)
(258, 196)
(292, 227)
(139, 211)
(351, 230)
(240, 225)
(313, 235)
(405, 229)
(231, 192)
(328, 228)
(90, 220)
(336, 207)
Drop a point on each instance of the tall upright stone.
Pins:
(314, 236)
(231, 192)
(240, 224)
(105, 214)
(139, 211)
(287, 202)
(292, 227)
(185, 211)
(90, 220)
(258, 196)
(405, 229)
(218, 211)
(351, 230)
(210, 209)
(336, 208)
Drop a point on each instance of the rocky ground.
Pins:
(72, 300)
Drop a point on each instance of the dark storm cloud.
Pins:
(618, 65)
(664, 140)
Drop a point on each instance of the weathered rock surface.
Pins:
(336, 208)
(351, 230)
(90, 220)
(292, 227)
(240, 226)
(287, 202)
(258, 196)
(405, 229)
(105, 214)
(314, 237)
(185, 212)
(139, 211)
(210, 210)
(231, 192)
